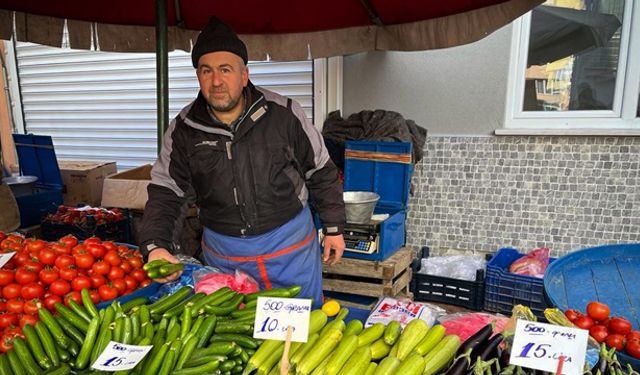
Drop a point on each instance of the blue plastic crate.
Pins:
(504, 289)
(384, 168)
(608, 274)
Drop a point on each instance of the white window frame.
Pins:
(621, 120)
(327, 88)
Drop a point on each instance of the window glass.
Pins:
(573, 55)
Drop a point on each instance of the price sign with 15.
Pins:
(118, 357)
(541, 346)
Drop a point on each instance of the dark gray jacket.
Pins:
(247, 182)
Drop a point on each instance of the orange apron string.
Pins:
(263, 273)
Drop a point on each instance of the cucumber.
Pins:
(205, 331)
(87, 346)
(63, 369)
(36, 347)
(186, 352)
(54, 328)
(79, 310)
(225, 309)
(207, 368)
(71, 331)
(72, 317)
(5, 367)
(154, 264)
(170, 300)
(14, 363)
(26, 359)
(48, 344)
(138, 301)
(87, 302)
(232, 327)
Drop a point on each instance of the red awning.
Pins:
(281, 29)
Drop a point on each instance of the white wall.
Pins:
(459, 90)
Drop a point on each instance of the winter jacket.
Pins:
(245, 182)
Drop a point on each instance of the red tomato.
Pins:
(108, 245)
(59, 287)
(68, 273)
(64, 261)
(95, 296)
(96, 250)
(11, 291)
(5, 344)
(615, 341)
(599, 332)
(36, 246)
(84, 260)
(60, 249)
(113, 258)
(47, 257)
(92, 240)
(145, 283)
(101, 267)
(584, 322)
(138, 274)
(32, 306)
(75, 295)
(106, 293)
(21, 257)
(572, 314)
(116, 273)
(6, 277)
(3, 305)
(132, 283)
(33, 265)
(97, 281)
(48, 275)
(633, 347)
(51, 300)
(135, 262)
(69, 241)
(28, 319)
(8, 319)
(31, 291)
(81, 282)
(126, 267)
(24, 276)
(120, 285)
(633, 335)
(598, 310)
(15, 305)
(620, 325)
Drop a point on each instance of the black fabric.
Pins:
(378, 125)
(218, 36)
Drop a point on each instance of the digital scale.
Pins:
(361, 238)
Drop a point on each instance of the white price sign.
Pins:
(117, 357)
(275, 315)
(540, 346)
(4, 258)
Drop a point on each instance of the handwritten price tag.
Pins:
(540, 346)
(274, 315)
(4, 258)
(118, 357)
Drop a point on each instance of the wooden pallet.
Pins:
(371, 278)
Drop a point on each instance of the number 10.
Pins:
(270, 326)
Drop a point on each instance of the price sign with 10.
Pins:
(541, 346)
(275, 315)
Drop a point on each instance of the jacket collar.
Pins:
(255, 108)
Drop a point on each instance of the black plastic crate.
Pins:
(430, 288)
(116, 231)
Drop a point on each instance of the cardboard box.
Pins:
(127, 189)
(83, 180)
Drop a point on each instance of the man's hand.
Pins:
(335, 243)
(161, 253)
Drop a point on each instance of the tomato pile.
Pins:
(42, 274)
(615, 331)
(81, 216)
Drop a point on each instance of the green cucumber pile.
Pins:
(191, 333)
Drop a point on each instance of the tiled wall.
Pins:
(566, 193)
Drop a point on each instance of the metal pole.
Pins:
(162, 70)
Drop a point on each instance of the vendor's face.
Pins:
(222, 76)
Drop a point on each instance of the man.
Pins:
(253, 160)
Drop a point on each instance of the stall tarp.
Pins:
(277, 29)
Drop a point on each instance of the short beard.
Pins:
(225, 108)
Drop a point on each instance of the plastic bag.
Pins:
(191, 266)
(533, 264)
(210, 279)
(461, 267)
(403, 311)
(464, 325)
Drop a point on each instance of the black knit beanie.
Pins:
(217, 36)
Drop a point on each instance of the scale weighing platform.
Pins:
(360, 238)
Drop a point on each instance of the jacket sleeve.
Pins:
(320, 174)
(170, 180)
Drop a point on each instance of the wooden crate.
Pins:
(371, 278)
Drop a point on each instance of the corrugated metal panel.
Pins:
(102, 106)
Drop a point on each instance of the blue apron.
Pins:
(287, 255)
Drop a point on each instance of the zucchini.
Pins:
(322, 348)
(371, 334)
(261, 355)
(412, 365)
(441, 355)
(412, 335)
(379, 349)
(317, 320)
(334, 324)
(358, 363)
(346, 348)
(304, 349)
(371, 369)
(430, 340)
(387, 366)
(354, 327)
(392, 332)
